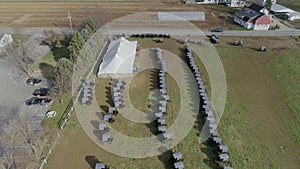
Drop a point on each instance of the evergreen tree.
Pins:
(77, 42)
(268, 4)
(63, 75)
(91, 23)
(86, 32)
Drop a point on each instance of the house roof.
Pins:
(256, 7)
(262, 20)
(253, 17)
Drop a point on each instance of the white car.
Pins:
(51, 114)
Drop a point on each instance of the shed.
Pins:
(167, 135)
(178, 16)
(100, 166)
(223, 148)
(161, 121)
(103, 126)
(162, 128)
(177, 156)
(217, 140)
(179, 165)
(159, 114)
(106, 137)
(108, 117)
(223, 157)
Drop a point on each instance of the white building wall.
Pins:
(243, 23)
(235, 3)
(261, 27)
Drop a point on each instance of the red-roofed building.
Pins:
(252, 20)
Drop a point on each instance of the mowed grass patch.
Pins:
(141, 86)
(288, 73)
(59, 108)
(256, 121)
(169, 44)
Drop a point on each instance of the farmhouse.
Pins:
(252, 20)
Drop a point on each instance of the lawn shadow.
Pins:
(47, 70)
(62, 51)
(166, 157)
(210, 150)
(91, 160)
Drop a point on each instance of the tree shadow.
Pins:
(47, 70)
(166, 157)
(62, 51)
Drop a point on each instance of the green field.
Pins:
(293, 4)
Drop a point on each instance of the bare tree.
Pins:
(19, 143)
(19, 56)
(51, 38)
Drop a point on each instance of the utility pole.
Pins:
(224, 23)
(70, 21)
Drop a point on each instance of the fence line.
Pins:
(44, 160)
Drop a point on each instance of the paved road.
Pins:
(38, 31)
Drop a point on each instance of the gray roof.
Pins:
(177, 155)
(158, 114)
(107, 117)
(218, 140)
(106, 137)
(167, 135)
(162, 128)
(224, 157)
(100, 166)
(180, 16)
(179, 165)
(102, 126)
(161, 120)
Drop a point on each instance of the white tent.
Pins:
(119, 59)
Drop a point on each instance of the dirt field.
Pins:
(54, 14)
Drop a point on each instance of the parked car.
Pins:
(33, 81)
(217, 30)
(41, 92)
(51, 114)
(38, 101)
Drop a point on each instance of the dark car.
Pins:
(38, 101)
(41, 92)
(33, 81)
(217, 30)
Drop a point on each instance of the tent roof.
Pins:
(119, 58)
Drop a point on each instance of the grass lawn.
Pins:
(20, 37)
(258, 118)
(293, 4)
(52, 123)
(287, 67)
(260, 123)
